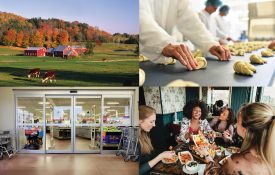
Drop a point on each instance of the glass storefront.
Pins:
(58, 123)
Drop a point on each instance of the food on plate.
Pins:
(244, 68)
(174, 159)
(192, 166)
(267, 53)
(181, 83)
(141, 77)
(200, 140)
(202, 63)
(168, 61)
(143, 58)
(233, 149)
(257, 59)
(185, 157)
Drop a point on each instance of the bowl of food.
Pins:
(172, 160)
(192, 166)
(185, 156)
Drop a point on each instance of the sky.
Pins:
(113, 16)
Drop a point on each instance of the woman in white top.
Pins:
(157, 19)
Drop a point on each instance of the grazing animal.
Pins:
(34, 73)
(50, 75)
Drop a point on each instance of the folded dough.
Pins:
(244, 68)
(256, 59)
(141, 77)
(143, 58)
(267, 53)
(197, 53)
(182, 83)
(168, 61)
(202, 63)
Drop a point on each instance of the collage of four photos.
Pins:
(128, 87)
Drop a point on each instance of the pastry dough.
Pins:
(143, 58)
(197, 53)
(168, 61)
(182, 83)
(202, 63)
(267, 53)
(244, 68)
(257, 59)
(141, 77)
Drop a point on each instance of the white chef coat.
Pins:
(209, 21)
(157, 19)
(223, 27)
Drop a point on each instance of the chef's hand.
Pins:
(222, 53)
(271, 45)
(182, 54)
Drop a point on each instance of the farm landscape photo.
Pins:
(68, 43)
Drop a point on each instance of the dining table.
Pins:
(177, 168)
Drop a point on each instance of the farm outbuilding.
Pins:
(35, 51)
(61, 51)
(50, 51)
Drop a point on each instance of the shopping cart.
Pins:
(128, 144)
(7, 139)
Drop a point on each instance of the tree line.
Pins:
(22, 32)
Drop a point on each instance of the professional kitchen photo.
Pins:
(207, 42)
(206, 130)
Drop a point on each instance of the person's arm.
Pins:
(145, 167)
(206, 126)
(228, 134)
(153, 38)
(191, 26)
(184, 129)
(193, 29)
(213, 122)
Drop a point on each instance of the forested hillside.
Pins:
(22, 32)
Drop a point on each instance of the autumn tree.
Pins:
(10, 37)
(19, 39)
(63, 37)
(38, 38)
(26, 39)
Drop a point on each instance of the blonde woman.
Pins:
(256, 125)
(147, 118)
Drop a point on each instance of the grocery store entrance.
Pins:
(60, 123)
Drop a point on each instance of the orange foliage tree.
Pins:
(19, 39)
(63, 37)
(10, 37)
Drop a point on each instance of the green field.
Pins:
(111, 65)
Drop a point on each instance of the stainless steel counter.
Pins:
(217, 73)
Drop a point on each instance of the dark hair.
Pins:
(224, 9)
(190, 105)
(219, 103)
(230, 119)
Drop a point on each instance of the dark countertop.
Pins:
(217, 73)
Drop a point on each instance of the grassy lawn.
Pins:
(111, 65)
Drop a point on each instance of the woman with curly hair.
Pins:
(195, 112)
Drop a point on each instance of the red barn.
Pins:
(80, 49)
(60, 51)
(35, 51)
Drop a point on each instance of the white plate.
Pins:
(190, 172)
(185, 152)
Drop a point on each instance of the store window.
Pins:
(268, 96)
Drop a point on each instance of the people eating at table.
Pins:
(148, 158)
(195, 113)
(224, 124)
(256, 125)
